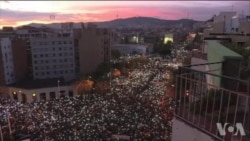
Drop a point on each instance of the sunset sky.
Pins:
(14, 13)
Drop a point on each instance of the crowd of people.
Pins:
(137, 108)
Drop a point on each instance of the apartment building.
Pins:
(7, 32)
(53, 56)
(27, 33)
(93, 48)
(209, 92)
(13, 61)
(6, 64)
(231, 26)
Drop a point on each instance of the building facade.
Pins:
(40, 94)
(93, 48)
(230, 25)
(6, 62)
(53, 57)
(13, 60)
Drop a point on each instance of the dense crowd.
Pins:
(137, 108)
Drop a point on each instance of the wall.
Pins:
(94, 49)
(20, 61)
(53, 57)
(219, 53)
(183, 132)
(29, 92)
(7, 60)
(214, 56)
(195, 61)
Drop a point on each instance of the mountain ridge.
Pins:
(129, 22)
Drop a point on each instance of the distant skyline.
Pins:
(16, 13)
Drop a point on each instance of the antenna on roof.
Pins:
(52, 17)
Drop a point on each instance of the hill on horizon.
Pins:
(129, 22)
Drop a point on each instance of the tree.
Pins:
(116, 73)
(101, 70)
(84, 86)
(115, 54)
(102, 87)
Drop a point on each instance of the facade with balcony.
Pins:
(211, 98)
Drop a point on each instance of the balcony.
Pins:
(203, 105)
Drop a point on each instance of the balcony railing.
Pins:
(204, 105)
(199, 55)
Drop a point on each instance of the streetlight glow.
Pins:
(34, 94)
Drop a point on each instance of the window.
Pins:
(6, 57)
(34, 56)
(52, 95)
(42, 96)
(24, 98)
(71, 94)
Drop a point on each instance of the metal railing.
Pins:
(204, 105)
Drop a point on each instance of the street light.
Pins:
(34, 94)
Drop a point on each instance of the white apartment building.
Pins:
(53, 57)
(6, 61)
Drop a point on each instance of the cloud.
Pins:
(86, 11)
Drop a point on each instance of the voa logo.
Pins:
(235, 130)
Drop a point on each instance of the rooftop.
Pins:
(222, 49)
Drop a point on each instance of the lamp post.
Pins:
(58, 86)
(1, 133)
(34, 97)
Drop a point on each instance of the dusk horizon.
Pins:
(16, 13)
